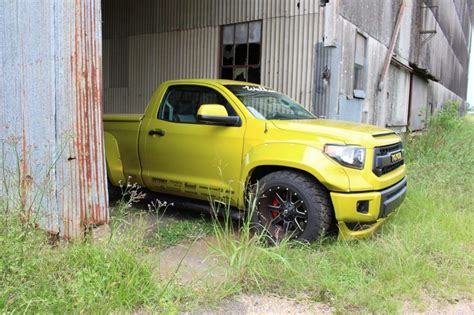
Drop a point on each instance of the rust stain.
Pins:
(85, 72)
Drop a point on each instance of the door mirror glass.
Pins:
(216, 114)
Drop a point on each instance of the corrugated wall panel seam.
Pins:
(448, 24)
(439, 48)
(287, 55)
(165, 56)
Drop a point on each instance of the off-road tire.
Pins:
(320, 214)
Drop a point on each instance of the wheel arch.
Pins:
(260, 171)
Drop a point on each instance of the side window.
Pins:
(181, 103)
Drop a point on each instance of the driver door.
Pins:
(185, 157)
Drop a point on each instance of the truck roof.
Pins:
(211, 81)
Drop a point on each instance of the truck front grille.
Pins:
(387, 158)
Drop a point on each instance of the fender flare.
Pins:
(299, 157)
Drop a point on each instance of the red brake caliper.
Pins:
(276, 204)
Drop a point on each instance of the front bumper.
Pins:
(360, 214)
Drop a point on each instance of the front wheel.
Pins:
(292, 205)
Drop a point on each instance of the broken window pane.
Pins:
(226, 73)
(254, 75)
(240, 74)
(241, 33)
(228, 55)
(254, 54)
(255, 32)
(241, 55)
(228, 35)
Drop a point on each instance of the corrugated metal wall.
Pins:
(52, 153)
(181, 39)
(288, 55)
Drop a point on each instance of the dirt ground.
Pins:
(197, 264)
(268, 304)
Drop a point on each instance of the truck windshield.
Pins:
(264, 103)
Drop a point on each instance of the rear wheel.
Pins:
(292, 205)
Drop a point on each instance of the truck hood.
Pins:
(347, 132)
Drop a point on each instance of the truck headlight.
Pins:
(346, 155)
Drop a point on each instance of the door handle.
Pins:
(157, 132)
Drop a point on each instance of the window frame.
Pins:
(360, 93)
(194, 86)
(247, 65)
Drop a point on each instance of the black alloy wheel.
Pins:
(292, 205)
(283, 211)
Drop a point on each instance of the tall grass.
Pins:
(86, 276)
(242, 246)
(424, 251)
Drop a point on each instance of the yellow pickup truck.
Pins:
(205, 139)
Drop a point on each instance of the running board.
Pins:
(204, 206)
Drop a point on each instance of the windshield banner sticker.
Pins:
(257, 89)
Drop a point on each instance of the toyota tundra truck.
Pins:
(202, 139)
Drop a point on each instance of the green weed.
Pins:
(172, 233)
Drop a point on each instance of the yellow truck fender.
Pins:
(297, 156)
(113, 160)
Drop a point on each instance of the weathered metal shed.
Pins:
(389, 63)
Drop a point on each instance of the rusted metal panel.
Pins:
(82, 168)
(51, 111)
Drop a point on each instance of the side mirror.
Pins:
(216, 114)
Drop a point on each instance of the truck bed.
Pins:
(125, 130)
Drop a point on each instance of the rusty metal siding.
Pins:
(51, 113)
